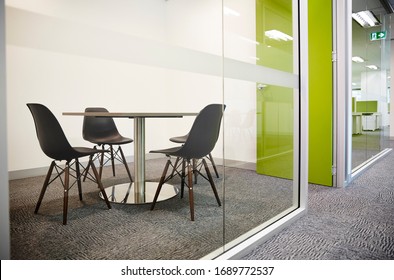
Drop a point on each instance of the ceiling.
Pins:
(362, 46)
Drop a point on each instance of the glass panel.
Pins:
(275, 114)
(140, 56)
(167, 56)
(370, 85)
(259, 127)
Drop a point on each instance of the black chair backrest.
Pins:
(95, 128)
(50, 134)
(204, 133)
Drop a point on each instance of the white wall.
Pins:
(141, 55)
(374, 87)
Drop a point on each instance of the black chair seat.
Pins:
(199, 143)
(55, 145)
(196, 165)
(179, 139)
(111, 140)
(102, 131)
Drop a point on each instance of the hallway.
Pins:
(352, 223)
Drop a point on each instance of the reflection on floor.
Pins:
(368, 144)
(135, 232)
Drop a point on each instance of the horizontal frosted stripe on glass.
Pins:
(37, 31)
(250, 72)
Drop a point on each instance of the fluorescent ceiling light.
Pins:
(229, 12)
(357, 59)
(278, 35)
(366, 19)
(373, 67)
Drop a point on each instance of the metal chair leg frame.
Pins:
(114, 155)
(66, 184)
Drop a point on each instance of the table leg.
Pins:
(143, 191)
(139, 159)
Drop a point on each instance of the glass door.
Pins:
(261, 129)
(370, 83)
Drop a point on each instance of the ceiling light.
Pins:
(366, 19)
(373, 67)
(278, 35)
(357, 59)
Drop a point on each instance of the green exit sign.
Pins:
(378, 35)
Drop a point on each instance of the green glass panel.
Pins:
(275, 112)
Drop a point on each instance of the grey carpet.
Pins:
(356, 222)
(135, 232)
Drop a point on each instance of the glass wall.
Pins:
(168, 56)
(370, 85)
(260, 132)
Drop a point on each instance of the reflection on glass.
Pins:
(167, 56)
(370, 86)
(259, 139)
(275, 104)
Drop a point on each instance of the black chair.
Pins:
(102, 131)
(196, 167)
(55, 145)
(200, 142)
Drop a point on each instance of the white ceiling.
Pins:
(362, 46)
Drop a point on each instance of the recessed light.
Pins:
(366, 19)
(278, 35)
(373, 67)
(357, 59)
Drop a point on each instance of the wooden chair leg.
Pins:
(195, 171)
(112, 160)
(65, 196)
(211, 181)
(163, 177)
(100, 185)
(125, 163)
(213, 164)
(175, 166)
(191, 197)
(101, 162)
(44, 186)
(183, 174)
(87, 168)
(78, 178)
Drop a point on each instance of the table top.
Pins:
(131, 114)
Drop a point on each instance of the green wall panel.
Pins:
(320, 91)
(367, 106)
